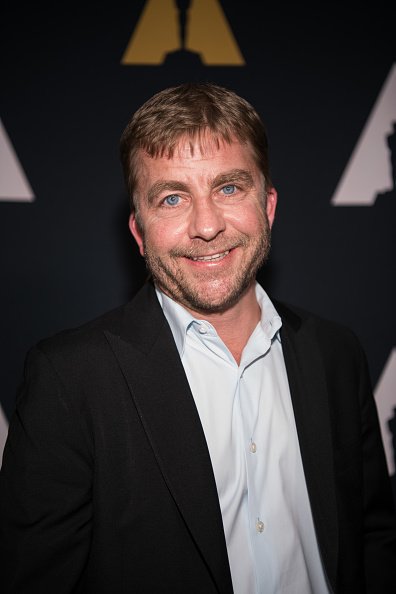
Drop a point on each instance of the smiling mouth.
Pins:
(219, 256)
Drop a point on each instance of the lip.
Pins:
(215, 259)
(211, 257)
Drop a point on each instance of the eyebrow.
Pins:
(165, 185)
(228, 177)
(233, 176)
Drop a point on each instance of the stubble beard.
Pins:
(194, 294)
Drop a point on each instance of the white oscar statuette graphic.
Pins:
(369, 172)
(3, 432)
(385, 396)
(14, 186)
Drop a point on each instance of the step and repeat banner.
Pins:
(324, 81)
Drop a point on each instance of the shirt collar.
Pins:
(179, 319)
(271, 321)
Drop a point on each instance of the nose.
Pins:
(206, 219)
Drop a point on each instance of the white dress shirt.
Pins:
(247, 417)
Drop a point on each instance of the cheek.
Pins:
(164, 234)
(248, 219)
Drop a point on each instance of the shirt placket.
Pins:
(252, 405)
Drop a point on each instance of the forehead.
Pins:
(202, 153)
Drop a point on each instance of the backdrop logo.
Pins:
(370, 173)
(14, 186)
(386, 405)
(197, 30)
(3, 432)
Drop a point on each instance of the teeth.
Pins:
(214, 257)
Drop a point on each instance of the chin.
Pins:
(214, 301)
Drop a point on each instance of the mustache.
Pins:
(199, 247)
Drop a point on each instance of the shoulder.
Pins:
(316, 346)
(329, 335)
(87, 335)
(89, 340)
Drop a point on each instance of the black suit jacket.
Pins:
(107, 484)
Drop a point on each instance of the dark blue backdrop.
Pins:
(313, 74)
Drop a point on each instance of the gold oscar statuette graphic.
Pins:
(193, 30)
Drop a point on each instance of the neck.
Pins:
(236, 325)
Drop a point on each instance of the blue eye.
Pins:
(228, 190)
(172, 200)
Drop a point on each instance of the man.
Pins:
(201, 438)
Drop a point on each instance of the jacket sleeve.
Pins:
(45, 487)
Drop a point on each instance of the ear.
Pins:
(272, 199)
(136, 232)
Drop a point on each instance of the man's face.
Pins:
(204, 224)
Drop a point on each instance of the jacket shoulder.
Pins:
(327, 331)
(132, 317)
(88, 333)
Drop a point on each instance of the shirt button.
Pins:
(259, 526)
(253, 447)
(202, 329)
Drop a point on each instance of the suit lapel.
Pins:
(309, 394)
(151, 365)
(152, 368)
